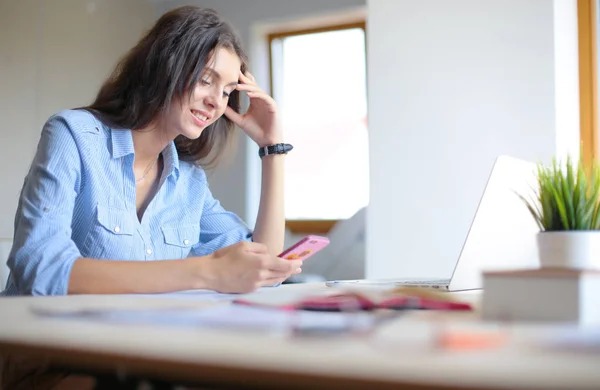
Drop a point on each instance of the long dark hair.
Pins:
(165, 65)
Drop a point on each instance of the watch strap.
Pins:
(274, 149)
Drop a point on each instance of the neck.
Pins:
(148, 143)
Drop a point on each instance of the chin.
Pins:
(192, 131)
(192, 135)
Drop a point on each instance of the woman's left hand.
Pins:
(260, 122)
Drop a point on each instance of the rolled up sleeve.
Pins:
(219, 228)
(43, 251)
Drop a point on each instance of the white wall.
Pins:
(566, 78)
(54, 55)
(235, 183)
(452, 84)
(5, 245)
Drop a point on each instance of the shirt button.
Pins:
(148, 251)
(186, 242)
(117, 229)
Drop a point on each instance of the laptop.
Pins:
(502, 234)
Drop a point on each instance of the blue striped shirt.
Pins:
(79, 200)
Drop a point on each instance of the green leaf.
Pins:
(533, 209)
(568, 197)
(595, 222)
(562, 212)
(566, 191)
(594, 200)
(581, 189)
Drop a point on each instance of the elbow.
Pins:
(46, 277)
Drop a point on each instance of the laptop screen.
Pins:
(503, 232)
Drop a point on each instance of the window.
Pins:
(318, 78)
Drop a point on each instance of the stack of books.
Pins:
(545, 294)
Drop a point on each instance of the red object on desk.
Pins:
(355, 302)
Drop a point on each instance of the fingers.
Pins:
(263, 96)
(248, 84)
(234, 116)
(269, 277)
(289, 269)
(248, 87)
(254, 91)
(277, 264)
(254, 247)
(271, 281)
(247, 78)
(268, 269)
(295, 264)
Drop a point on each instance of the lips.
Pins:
(201, 118)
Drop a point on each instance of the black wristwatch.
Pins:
(274, 149)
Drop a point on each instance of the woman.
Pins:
(115, 201)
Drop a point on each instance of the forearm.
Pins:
(270, 222)
(91, 276)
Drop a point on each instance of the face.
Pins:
(209, 98)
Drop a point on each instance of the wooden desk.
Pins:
(259, 360)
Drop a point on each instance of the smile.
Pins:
(200, 115)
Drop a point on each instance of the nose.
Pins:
(213, 99)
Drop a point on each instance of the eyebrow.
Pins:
(217, 75)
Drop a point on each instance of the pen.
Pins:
(332, 283)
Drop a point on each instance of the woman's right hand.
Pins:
(242, 268)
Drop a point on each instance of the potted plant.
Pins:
(566, 208)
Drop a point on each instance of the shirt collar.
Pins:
(122, 142)
(122, 145)
(171, 159)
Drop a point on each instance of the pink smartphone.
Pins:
(305, 248)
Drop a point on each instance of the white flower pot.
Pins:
(577, 249)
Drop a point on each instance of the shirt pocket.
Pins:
(179, 239)
(110, 235)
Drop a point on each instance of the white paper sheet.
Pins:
(274, 293)
(224, 316)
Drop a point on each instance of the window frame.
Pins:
(587, 26)
(307, 226)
